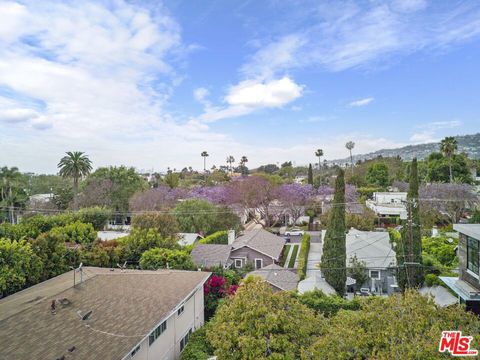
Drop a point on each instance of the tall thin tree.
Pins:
(448, 147)
(350, 145)
(319, 154)
(204, 154)
(243, 167)
(409, 248)
(230, 161)
(334, 259)
(75, 165)
(310, 174)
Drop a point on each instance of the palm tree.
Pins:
(243, 161)
(230, 161)
(448, 147)
(350, 145)
(319, 154)
(74, 165)
(204, 154)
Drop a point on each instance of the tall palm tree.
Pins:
(75, 165)
(448, 147)
(204, 154)
(319, 154)
(230, 161)
(350, 145)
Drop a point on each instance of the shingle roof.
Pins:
(372, 247)
(188, 238)
(262, 241)
(209, 255)
(129, 304)
(278, 276)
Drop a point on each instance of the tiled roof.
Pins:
(209, 255)
(262, 241)
(125, 307)
(278, 276)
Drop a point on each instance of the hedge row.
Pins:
(303, 258)
(219, 237)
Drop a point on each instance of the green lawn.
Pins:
(286, 250)
(293, 257)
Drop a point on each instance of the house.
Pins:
(108, 235)
(388, 204)
(375, 250)
(185, 239)
(111, 314)
(279, 278)
(210, 255)
(257, 247)
(467, 284)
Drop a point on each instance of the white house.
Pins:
(388, 204)
(130, 314)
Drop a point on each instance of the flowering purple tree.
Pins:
(294, 198)
(156, 199)
(218, 194)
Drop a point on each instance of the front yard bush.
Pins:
(303, 258)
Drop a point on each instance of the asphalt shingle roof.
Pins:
(278, 276)
(262, 241)
(209, 255)
(125, 307)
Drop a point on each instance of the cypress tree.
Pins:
(409, 249)
(334, 257)
(310, 174)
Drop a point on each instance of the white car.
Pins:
(294, 232)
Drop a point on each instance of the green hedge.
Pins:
(219, 237)
(303, 258)
(293, 257)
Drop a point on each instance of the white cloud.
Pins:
(251, 95)
(17, 115)
(200, 94)
(429, 131)
(361, 102)
(343, 35)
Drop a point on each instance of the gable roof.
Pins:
(208, 255)
(188, 238)
(372, 247)
(261, 241)
(129, 304)
(278, 276)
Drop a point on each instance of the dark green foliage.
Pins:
(76, 232)
(310, 174)
(303, 257)
(219, 237)
(97, 216)
(327, 305)
(438, 168)
(357, 270)
(475, 219)
(165, 224)
(198, 346)
(158, 258)
(409, 248)
(102, 254)
(50, 248)
(377, 175)
(333, 262)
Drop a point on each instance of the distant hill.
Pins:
(469, 144)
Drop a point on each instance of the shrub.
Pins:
(328, 305)
(97, 216)
(198, 346)
(158, 258)
(219, 237)
(303, 258)
(76, 232)
(165, 224)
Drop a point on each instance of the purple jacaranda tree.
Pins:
(157, 199)
(294, 198)
(218, 194)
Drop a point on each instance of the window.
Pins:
(472, 255)
(238, 263)
(136, 350)
(157, 332)
(184, 341)
(258, 263)
(375, 274)
(180, 310)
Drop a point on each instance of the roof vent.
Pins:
(72, 349)
(53, 308)
(84, 317)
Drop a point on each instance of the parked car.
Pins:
(364, 292)
(294, 232)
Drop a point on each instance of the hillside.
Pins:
(469, 144)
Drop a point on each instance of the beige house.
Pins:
(110, 315)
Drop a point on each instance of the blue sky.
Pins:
(152, 84)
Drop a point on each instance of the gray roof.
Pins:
(278, 276)
(262, 241)
(372, 247)
(188, 238)
(129, 304)
(472, 230)
(208, 255)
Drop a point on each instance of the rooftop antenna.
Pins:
(75, 271)
(122, 267)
